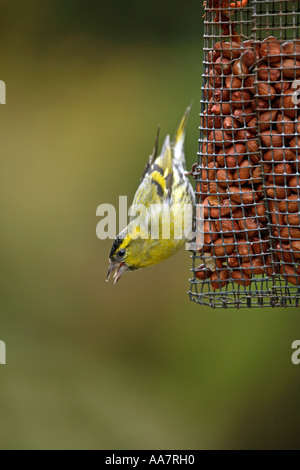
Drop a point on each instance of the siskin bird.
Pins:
(165, 186)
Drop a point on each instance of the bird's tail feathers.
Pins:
(178, 141)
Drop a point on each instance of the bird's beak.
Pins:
(119, 268)
(112, 267)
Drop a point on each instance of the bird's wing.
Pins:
(156, 185)
(153, 156)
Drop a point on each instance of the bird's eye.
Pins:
(121, 253)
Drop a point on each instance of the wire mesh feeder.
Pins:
(248, 174)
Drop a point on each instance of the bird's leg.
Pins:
(194, 171)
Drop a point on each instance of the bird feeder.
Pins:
(247, 191)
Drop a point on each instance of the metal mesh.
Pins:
(248, 161)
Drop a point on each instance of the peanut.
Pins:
(233, 157)
(260, 191)
(226, 226)
(259, 246)
(249, 225)
(243, 135)
(221, 109)
(291, 50)
(282, 172)
(295, 142)
(292, 204)
(240, 69)
(285, 126)
(233, 82)
(266, 91)
(296, 248)
(233, 261)
(283, 252)
(294, 183)
(253, 267)
(241, 278)
(277, 192)
(276, 216)
(210, 231)
(224, 178)
(241, 98)
(214, 80)
(278, 155)
(202, 273)
(261, 105)
(222, 210)
(230, 50)
(219, 279)
(280, 87)
(243, 115)
(209, 172)
(222, 66)
(258, 210)
(289, 273)
(243, 172)
(243, 195)
(230, 124)
(244, 249)
(271, 138)
(292, 219)
(290, 232)
(221, 95)
(223, 247)
(238, 213)
(271, 49)
(257, 174)
(266, 119)
(266, 74)
(291, 68)
(287, 102)
(220, 138)
(249, 84)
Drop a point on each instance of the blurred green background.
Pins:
(91, 365)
